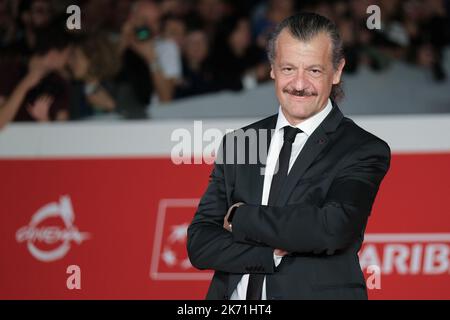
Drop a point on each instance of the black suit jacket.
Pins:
(320, 215)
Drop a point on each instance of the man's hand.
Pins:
(37, 69)
(145, 49)
(39, 110)
(126, 35)
(41, 65)
(227, 225)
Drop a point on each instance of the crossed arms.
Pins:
(301, 227)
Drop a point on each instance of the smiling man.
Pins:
(294, 231)
(303, 72)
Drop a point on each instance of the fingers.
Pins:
(226, 225)
(44, 100)
(39, 110)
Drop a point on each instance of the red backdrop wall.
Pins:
(123, 222)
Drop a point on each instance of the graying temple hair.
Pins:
(305, 26)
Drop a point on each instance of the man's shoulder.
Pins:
(357, 135)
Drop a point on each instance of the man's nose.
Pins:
(300, 81)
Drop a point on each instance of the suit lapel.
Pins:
(257, 171)
(315, 144)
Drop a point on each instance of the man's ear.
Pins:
(338, 73)
(272, 74)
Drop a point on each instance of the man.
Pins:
(151, 64)
(294, 232)
(33, 16)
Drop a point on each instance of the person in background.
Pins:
(178, 8)
(266, 16)
(37, 91)
(197, 72)
(174, 29)
(428, 27)
(96, 15)
(237, 62)
(33, 16)
(7, 24)
(93, 63)
(210, 13)
(151, 64)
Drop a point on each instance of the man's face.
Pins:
(303, 74)
(146, 14)
(196, 46)
(40, 13)
(57, 59)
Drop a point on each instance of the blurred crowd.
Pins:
(131, 54)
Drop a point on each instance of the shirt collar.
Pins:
(309, 125)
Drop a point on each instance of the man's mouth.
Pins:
(300, 93)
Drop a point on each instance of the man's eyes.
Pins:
(314, 72)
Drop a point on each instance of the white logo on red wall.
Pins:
(172, 256)
(395, 253)
(169, 257)
(51, 231)
(407, 253)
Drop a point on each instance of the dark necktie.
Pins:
(256, 281)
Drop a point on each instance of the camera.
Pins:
(142, 33)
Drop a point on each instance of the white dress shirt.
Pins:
(276, 143)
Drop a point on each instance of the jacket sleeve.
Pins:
(332, 225)
(209, 245)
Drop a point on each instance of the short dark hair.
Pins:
(304, 26)
(53, 36)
